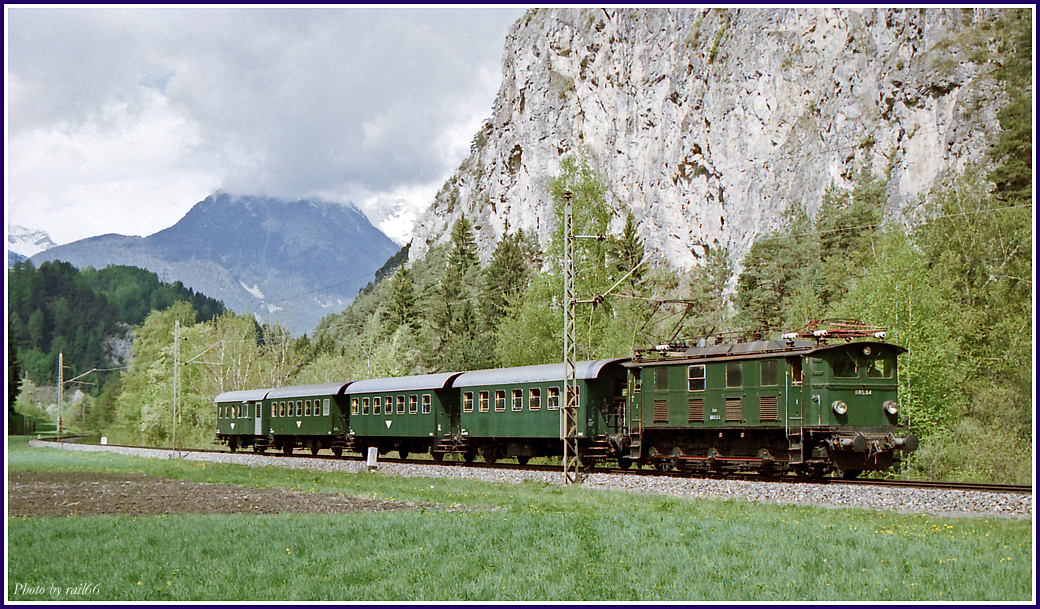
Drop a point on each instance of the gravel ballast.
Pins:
(903, 500)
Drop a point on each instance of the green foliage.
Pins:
(402, 308)
(58, 308)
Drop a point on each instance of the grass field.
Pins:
(533, 542)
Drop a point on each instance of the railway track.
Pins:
(648, 471)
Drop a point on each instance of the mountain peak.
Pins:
(287, 261)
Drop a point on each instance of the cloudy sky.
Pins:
(120, 119)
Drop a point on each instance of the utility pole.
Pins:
(569, 411)
(61, 387)
(176, 377)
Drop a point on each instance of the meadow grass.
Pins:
(525, 542)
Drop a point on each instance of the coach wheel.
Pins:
(261, 448)
(523, 460)
(314, 449)
(490, 455)
(850, 474)
(470, 456)
(437, 456)
(403, 454)
(337, 450)
(233, 444)
(287, 448)
(662, 466)
(624, 463)
(588, 462)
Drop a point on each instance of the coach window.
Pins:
(325, 407)
(734, 374)
(484, 402)
(364, 406)
(518, 399)
(769, 372)
(281, 409)
(400, 404)
(554, 398)
(307, 408)
(534, 402)
(388, 404)
(695, 377)
(500, 400)
(427, 403)
(467, 402)
(661, 379)
(354, 406)
(413, 404)
(377, 405)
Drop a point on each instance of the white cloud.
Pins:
(120, 119)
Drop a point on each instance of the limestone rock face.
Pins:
(708, 123)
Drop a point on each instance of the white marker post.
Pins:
(372, 453)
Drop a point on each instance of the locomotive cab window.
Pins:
(844, 366)
(661, 379)
(695, 376)
(769, 372)
(881, 368)
(734, 374)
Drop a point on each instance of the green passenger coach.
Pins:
(515, 412)
(409, 414)
(305, 416)
(239, 418)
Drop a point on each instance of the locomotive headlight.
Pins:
(839, 407)
(891, 407)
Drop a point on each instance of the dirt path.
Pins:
(62, 494)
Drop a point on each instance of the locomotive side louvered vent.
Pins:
(733, 409)
(660, 411)
(767, 408)
(696, 411)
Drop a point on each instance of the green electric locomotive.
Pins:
(774, 406)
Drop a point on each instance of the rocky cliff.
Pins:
(708, 123)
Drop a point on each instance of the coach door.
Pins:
(258, 428)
